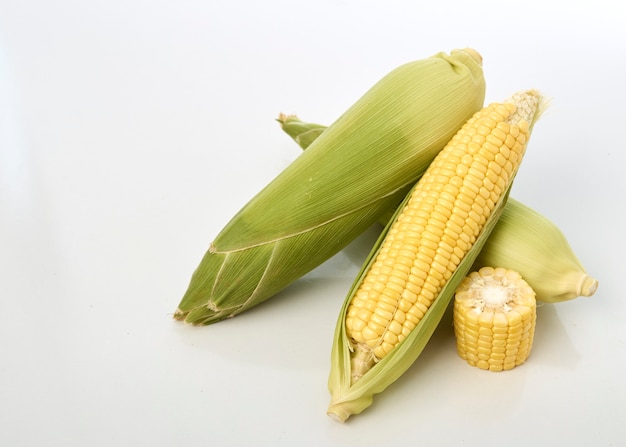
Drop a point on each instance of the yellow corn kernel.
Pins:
(430, 213)
(494, 315)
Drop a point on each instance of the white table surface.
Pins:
(131, 131)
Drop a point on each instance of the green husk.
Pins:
(360, 166)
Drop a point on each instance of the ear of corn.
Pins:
(523, 240)
(361, 165)
(494, 316)
(400, 296)
(529, 243)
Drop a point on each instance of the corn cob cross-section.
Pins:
(494, 319)
(430, 237)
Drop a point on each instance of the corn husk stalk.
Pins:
(523, 240)
(362, 165)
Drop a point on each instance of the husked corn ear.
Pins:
(522, 240)
(494, 319)
(440, 223)
(410, 277)
(531, 244)
(364, 162)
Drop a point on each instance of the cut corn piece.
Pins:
(494, 316)
(411, 275)
(361, 165)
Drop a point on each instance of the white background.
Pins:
(132, 130)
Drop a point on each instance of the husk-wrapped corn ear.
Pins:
(363, 164)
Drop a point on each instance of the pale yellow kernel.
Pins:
(489, 121)
(483, 130)
(413, 286)
(503, 178)
(419, 270)
(381, 318)
(356, 324)
(474, 216)
(510, 141)
(500, 159)
(414, 315)
(386, 348)
(476, 171)
(390, 338)
(399, 316)
(486, 318)
(372, 303)
(387, 307)
(474, 181)
(443, 210)
(423, 303)
(484, 333)
(523, 126)
(491, 176)
(505, 151)
(505, 109)
(405, 257)
(451, 234)
(456, 218)
(463, 204)
(407, 300)
(364, 314)
(369, 333)
(461, 170)
(407, 327)
(462, 243)
(498, 353)
(499, 344)
(494, 142)
(455, 182)
(498, 134)
(443, 256)
(508, 167)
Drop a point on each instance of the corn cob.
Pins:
(494, 316)
(362, 164)
(399, 298)
(523, 240)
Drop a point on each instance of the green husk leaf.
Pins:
(359, 167)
